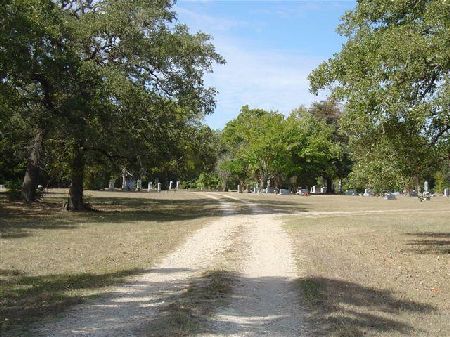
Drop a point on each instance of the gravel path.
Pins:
(264, 301)
(130, 307)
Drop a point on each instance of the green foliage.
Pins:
(14, 191)
(261, 145)
(442, 178)
(117, 81)
(208, 181)
(393, 74)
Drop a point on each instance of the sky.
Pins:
(269, 47)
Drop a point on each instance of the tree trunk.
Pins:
(30, 180)
(330, 187)
(77, 175)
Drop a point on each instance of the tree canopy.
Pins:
(393, 75)
(120, 79)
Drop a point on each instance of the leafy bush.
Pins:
(14, 192)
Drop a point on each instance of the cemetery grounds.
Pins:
(225, 264)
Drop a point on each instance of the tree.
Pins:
(393, 74)
(313, 146)
(33, 67)
(255, 146)
(261, 145)
(339, 166)
(131, 79)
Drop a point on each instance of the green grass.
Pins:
(51, 260)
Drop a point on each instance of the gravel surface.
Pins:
(263, 302)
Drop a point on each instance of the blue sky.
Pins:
(270, 48)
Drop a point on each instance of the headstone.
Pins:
(178, 185)
(150, 186)
(340, 186)
(367, 192)
(111, 185)
(139, 185)
(284, 191)
(124, 181)
(390, 196)
(323, 190)
(2, 187)
(239, 189)
(302, 191)
(131, 184)
(446, 192)
(170, 185)
(256, 188)
(313, 190)
(159, 187)
(350, 192)
(413, 193)
(425, 187)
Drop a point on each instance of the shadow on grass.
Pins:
(186, 305)
(25, 299)
(187, 313)
(18, 221)
(429, 243)
(341, 308)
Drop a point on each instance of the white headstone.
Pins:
(150, 186)
(340, 186)
(313, 189)
(446, 192)
(2, 187)
(239, 188)
(159, 187)
(389, 196)
(367, 192)
(124, 181)
(323, 190)
(170, 185)
(425, 186)
(178, 185)
(111, 185)
(139, 185)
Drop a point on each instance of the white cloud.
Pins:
(273, 80)
(253, 75)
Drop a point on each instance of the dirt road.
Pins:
(262, 300)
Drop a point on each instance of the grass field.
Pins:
(368, 266)
(51, 259)
(372, 267)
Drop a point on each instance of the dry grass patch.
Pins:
(372, 273)
(52, 259)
